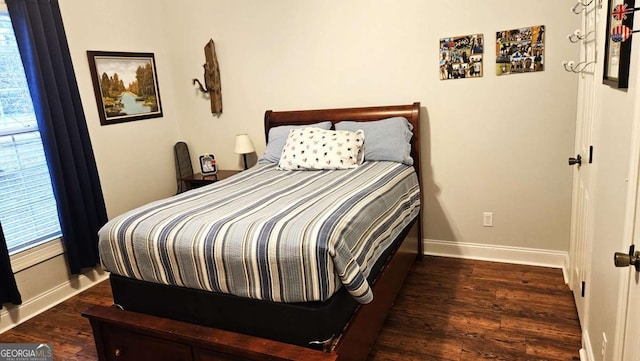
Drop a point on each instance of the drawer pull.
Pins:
(117, 352)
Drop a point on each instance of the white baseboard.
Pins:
(12, 315)
(565, 270)
(586, 352)
(493, 253)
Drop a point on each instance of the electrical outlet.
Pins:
(487, 219)
(604, 346)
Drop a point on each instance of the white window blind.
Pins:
(28, 210)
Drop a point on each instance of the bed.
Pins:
(251, 275)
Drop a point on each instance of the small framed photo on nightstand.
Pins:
(208, 164)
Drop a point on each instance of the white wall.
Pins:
(495, 144)
(135, 159)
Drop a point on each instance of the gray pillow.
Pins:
(387, 139)
(278, 137)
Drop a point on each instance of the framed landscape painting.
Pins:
(125, 85)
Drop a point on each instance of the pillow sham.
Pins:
(278, 136)
(387, 139)
(316, 149)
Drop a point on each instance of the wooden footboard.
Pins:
(125, 335)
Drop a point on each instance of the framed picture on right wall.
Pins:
(520, 51)
(618, 43)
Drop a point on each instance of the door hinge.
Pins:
(590, 154)
(583, 287)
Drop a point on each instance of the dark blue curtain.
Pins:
(63, 127)
(8, 289)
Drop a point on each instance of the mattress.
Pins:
(280, 236)
(307, 324)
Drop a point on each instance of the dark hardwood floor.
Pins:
(454, 309)
(449, 309)
(64, 327)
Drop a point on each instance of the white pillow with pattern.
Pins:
(314, 149)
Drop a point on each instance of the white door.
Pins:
(632, 329)
(632, 332)
(629, 310)
(581, 218)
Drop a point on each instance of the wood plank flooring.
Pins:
(449, 309)
(454, 309)
(64, 327)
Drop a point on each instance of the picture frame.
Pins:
(125, 86)
(617, 56)
(461, 57)
(521, 50)
(208, 164)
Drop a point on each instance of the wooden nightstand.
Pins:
(199, 179)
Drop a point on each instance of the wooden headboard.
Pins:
(303, 117)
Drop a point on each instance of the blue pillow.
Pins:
(278, 137)
(387, 139)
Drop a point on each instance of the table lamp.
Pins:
(244, 146)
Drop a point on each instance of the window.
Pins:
(28, 210)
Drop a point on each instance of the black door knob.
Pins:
(624, 260)
(577, 160)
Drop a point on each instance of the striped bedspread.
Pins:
(283, 236)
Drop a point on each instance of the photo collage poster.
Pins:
(461, 57)
(520, 50)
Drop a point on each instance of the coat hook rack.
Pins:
(582, 5)
(574, 67)
(578, 35)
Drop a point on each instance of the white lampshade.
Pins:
(243, 144)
